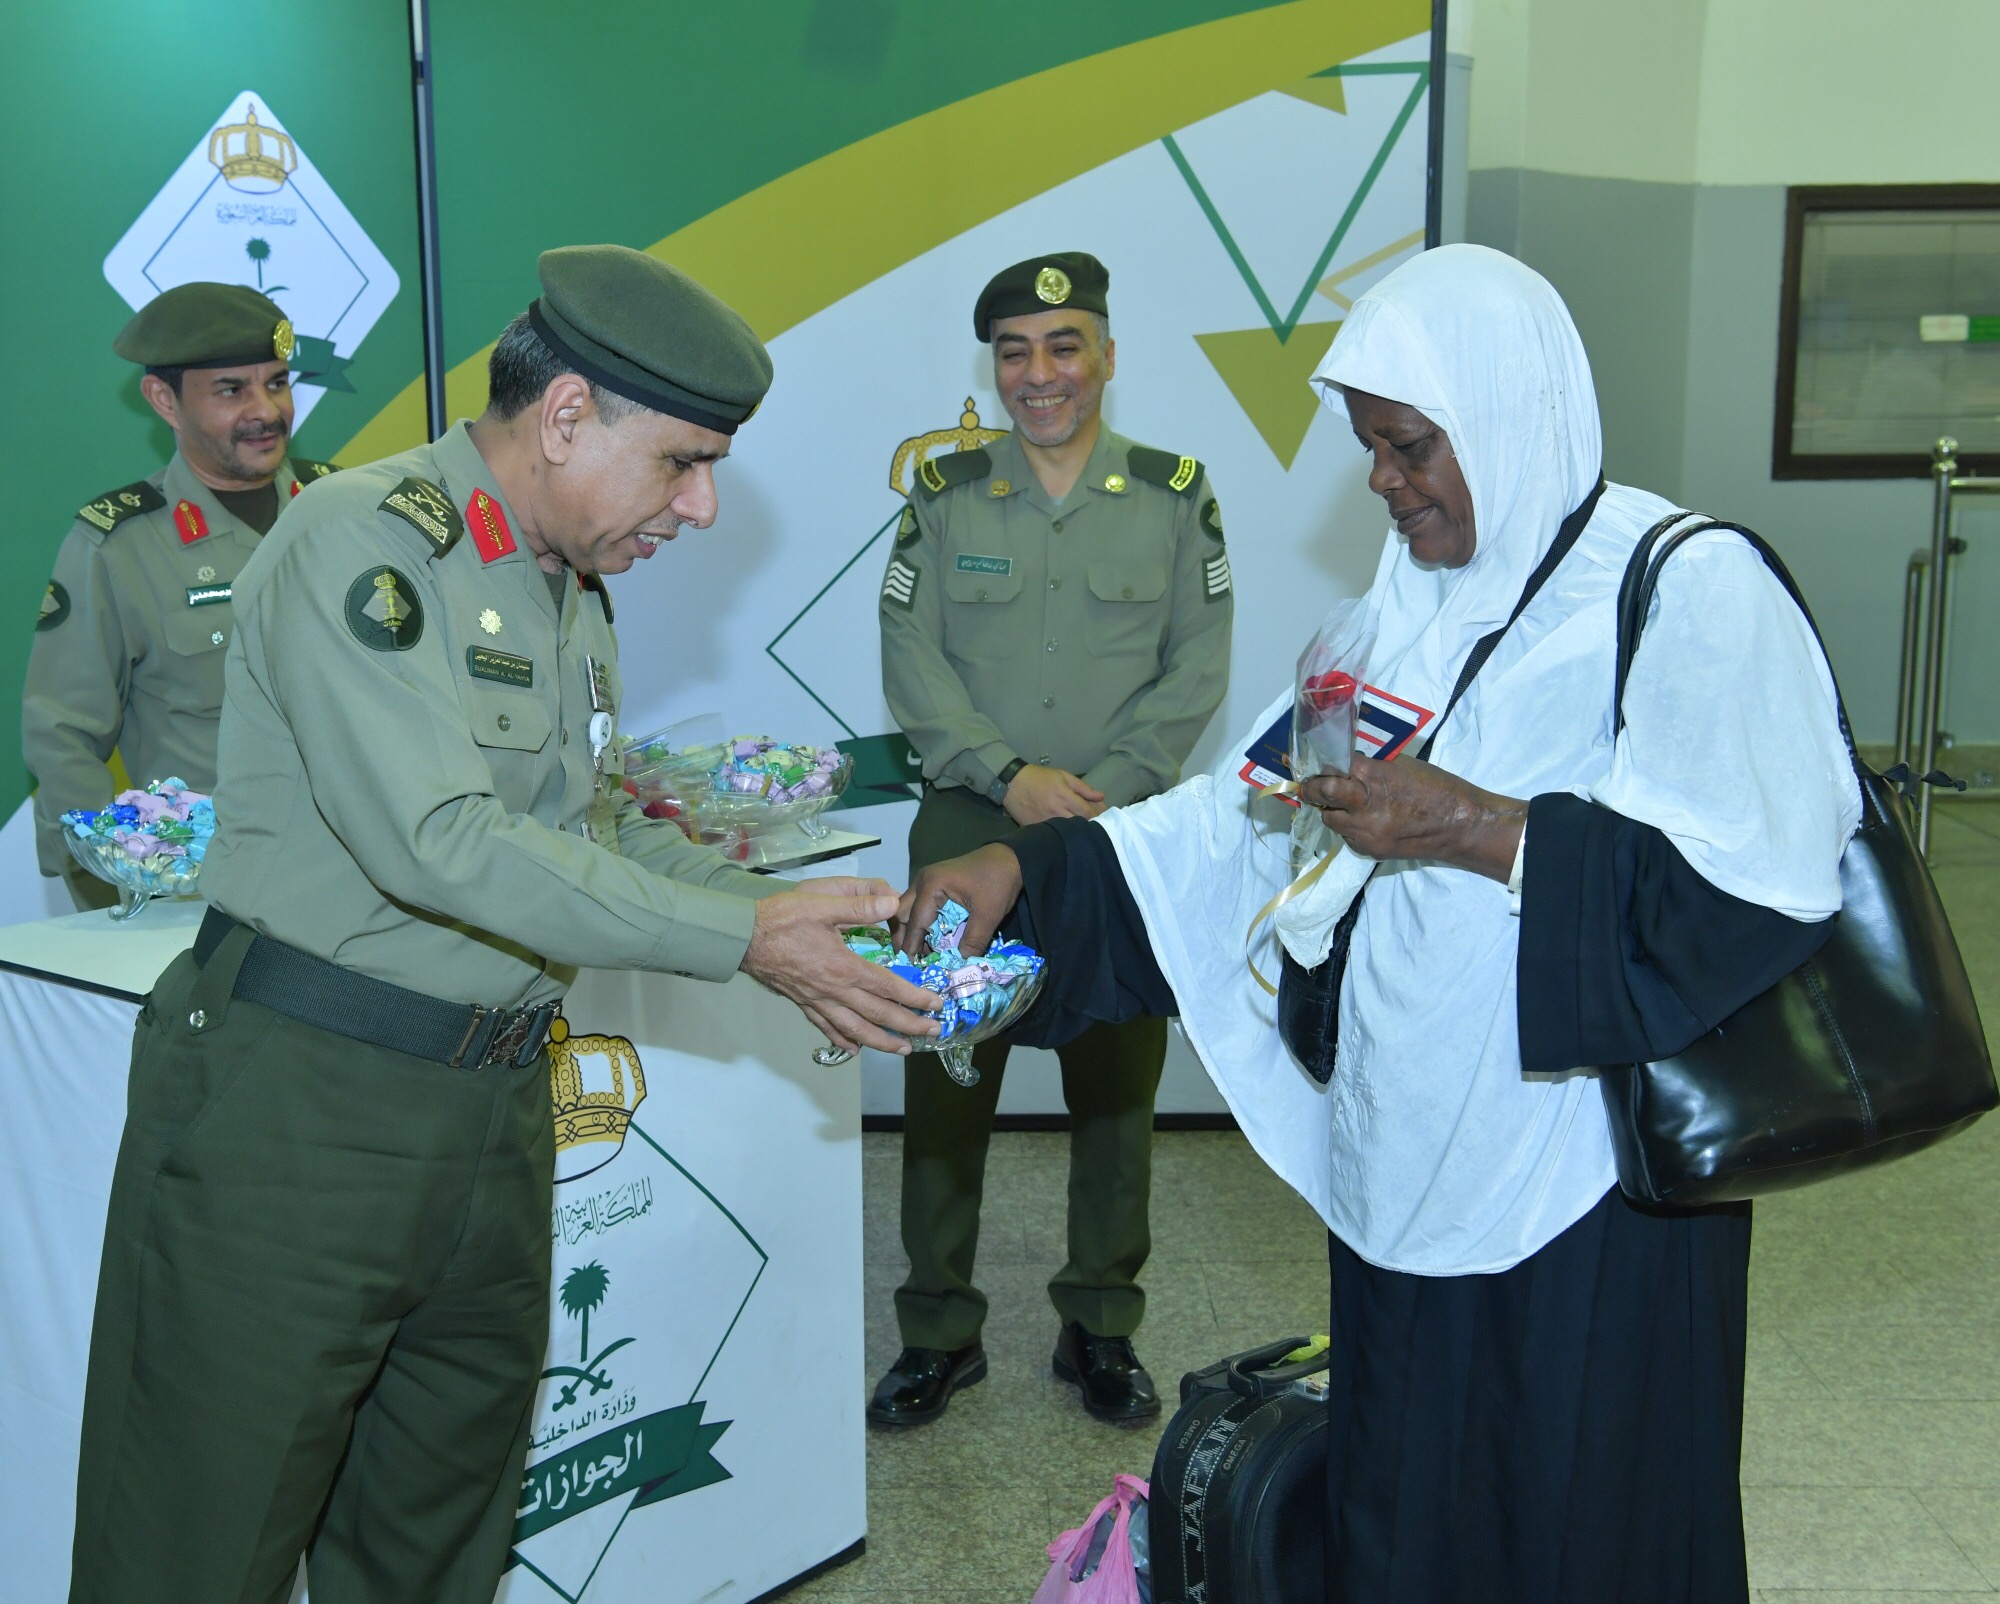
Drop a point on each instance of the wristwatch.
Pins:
(996, 793)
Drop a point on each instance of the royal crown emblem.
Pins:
(970, 435)
(596, 1084)
(254, 157)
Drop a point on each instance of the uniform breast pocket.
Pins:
(979, 623)
(1128, 610)
(199, 630)
(516, 721)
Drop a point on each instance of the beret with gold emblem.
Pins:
(202, 325)
(1073, 280)
(644, 330)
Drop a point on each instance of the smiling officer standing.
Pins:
(324, 1302)
(1055, 636)
(129, 643)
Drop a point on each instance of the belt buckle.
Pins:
(520, 1036)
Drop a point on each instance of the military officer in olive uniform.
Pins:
(323, 1307)
(1055, 636)
(129, 645)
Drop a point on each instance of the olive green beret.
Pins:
(648, 332)
(1073, 279)
(202, 325)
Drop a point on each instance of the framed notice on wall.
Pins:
(1889, 333)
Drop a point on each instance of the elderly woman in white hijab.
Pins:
(1536, 1387)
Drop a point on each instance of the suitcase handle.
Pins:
(1257, 1374)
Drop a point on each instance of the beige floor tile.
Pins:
(1774, 1369)
(1923, 1363)
(1896, 1595)
(1850, 1537)
(1798, 1442)
(1971, 1516)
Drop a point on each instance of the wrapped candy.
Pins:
(982, 995)
(1326, 711)
(147, 843)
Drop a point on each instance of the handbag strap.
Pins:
(1566, 537)
(1642, 578)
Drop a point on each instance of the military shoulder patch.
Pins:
(907, 531)
(1211, 519)
(55, 607)
(1163, 468)
(112, 508)
(384, 611)
(308, 470)
(428, 510)
(936, 475)
(899, 586)
(595, 582)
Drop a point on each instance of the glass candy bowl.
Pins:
(761, 815)
(138, 880)
(961, 1033)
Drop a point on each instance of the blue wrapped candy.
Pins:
(982, 995)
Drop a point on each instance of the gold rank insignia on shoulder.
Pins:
(428, 510)
(1001, 487)
(489, 621)
(1052, 285)
(1115, 483)
(112, 508)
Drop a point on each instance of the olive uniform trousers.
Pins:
(321, 1318)
(1110, 1076)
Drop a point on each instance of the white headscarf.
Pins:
(1430, 1151)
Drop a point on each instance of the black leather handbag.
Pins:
(1870, 1049)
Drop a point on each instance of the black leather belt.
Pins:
(362, 1008)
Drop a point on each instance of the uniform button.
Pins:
(981, 596)
(504, 722)
(1057, 526)
(1055, 582)
(215, 639)
(1048, 701)
(1128, 592)
(198, 1019)
(1044, 758)
(1052, 646)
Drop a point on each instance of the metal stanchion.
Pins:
(1909, 661)
(1937, 581)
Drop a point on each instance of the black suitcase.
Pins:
(1238, 1507)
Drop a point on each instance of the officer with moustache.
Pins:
(1055, 636)
(324, 1301)
(133, 628)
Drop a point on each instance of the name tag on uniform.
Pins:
(971, 564)
(483, 662)
(207, 595)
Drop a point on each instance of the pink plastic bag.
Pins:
(1112, 1579)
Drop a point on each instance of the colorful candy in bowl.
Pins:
(983, 996)
(737, 789)
(148, 843)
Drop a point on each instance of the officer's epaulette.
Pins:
(308, 470)
(111, 509)
(428, 510)
(936, 475)
(596, 582)
(1163, 468)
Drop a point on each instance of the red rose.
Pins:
(1325, 692)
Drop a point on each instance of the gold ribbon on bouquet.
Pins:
(1303, 884)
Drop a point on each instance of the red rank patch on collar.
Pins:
(296, 487)
(490, 534)
(189, 521)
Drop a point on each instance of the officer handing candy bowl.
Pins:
(339, 1139)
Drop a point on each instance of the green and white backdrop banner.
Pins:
(847, 173)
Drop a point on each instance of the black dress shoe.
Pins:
(1115, 1385)
(921, 1381)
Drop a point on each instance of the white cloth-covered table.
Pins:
(699, 1431)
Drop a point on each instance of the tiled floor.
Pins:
(1871, 1455)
